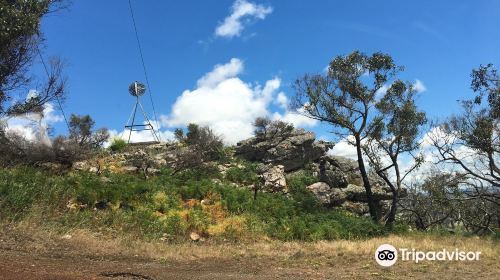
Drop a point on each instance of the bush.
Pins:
(203, 145)
(17, 150)
(117, 144)
(266, 128)
(171, 205)
(245, 175)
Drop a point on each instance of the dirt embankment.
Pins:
(29, 254)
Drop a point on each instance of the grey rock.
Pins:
(194, 236)
(337, 197)
(338, 172)
(274, 179)
(327, 195)
(151, 170)
(293, 150)
(358, 208)
(322, 192)
(206, 201)
(80, 165)
(358, 193)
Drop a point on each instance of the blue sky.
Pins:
(438, 42)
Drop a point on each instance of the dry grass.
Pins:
(109, 245)
(320, 260)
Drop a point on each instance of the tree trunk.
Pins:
(391, 216)
(372, 204)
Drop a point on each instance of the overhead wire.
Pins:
(57, 97)
(144, 67)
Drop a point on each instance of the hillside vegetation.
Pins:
(191, 204)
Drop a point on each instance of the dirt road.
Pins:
(52, 258)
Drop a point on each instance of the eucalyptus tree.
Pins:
(469, 142)
(20, 42)
(394, 136)
(345, 97)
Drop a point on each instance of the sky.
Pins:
(223, 63)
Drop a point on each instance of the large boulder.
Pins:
(336, 171)
(357, 208)
(326, 195)
(358, 193)
(292, 150)
(274, 179)
(321, 191)
(352, 197)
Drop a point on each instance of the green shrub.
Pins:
(117, 144)
(225, 154)
(245, 175)
(174, 225)
(160, 206)
(198, 173)
(302, 197)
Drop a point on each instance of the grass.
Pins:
(172, 207)
(265, 259)
(290, 252)
(117, 144)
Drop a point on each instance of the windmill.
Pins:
(137, 89)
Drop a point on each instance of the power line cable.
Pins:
(48, 77)
(144, 66)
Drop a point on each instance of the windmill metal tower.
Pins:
(137, 89)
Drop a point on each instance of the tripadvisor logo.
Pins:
(387, 255)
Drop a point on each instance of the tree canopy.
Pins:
(20, 42)
(345, 96)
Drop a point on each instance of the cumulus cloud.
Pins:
(221, 73)
(229, 105)
(343, 148)
(224, 102)
(282, 100)
(419, 86)
(33, 126)
(381, 91)
(241, 12)
(295, 118)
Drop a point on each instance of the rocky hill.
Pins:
(339, 182)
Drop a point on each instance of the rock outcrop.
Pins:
(292, 150)
(338, 180)
(274, 180)
(145, 158)
(351, 198)
(337, 171)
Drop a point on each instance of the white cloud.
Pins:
(233, 24)
(298, 119)
(221, 73)
(419, 86)
(228, 105)
(427, 150)
(326, 69)
(282, 100)
(224, 102)
(381, 91)
(344, 149)
(33, 126)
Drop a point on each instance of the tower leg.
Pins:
(133, 120)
